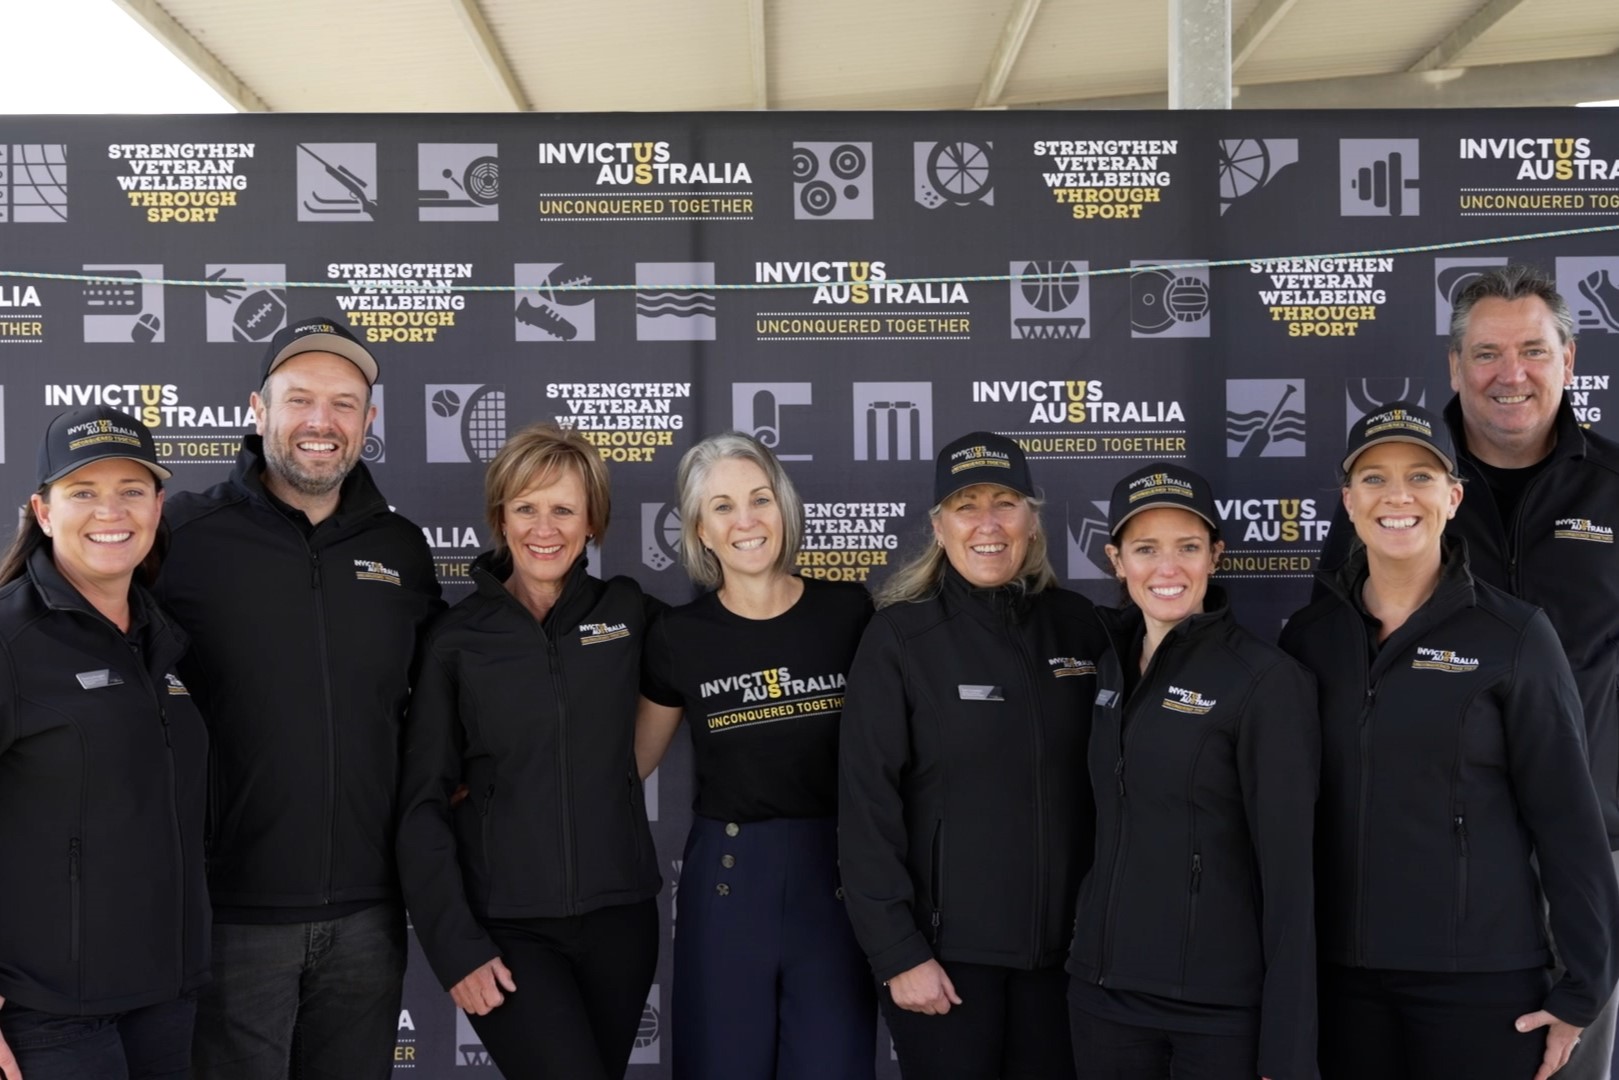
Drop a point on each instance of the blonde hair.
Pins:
(919, 578)
(535, 457)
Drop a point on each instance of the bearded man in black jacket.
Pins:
(304, 595)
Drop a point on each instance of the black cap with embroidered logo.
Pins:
(319, 335)
(1161, 485)
(1398, 421)
(79, 437)
(981, 457)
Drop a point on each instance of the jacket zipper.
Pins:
(331, 727)
(1106, 949)
(174, 813)
(1461, 876)
(937, 881)
(1361, 839)
(565, 788)
(488, 831)
(1194, 887)
(1037, 751)
(74, 904)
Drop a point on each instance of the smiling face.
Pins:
(1509, 375)
(985, 531)
(102, 519)
(1399, 498)
(546, 527)
(312, 416)
(741, 519)
(1164, 557)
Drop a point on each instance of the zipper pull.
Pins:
(314, 570)
(1197, 871)
(1118, 771)
(73, 860)
(1461, 833)
(937, 919)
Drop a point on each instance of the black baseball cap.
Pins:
(95, 433)
(319, 335)
(1398, 421)
(1159, 485)
(981, 457)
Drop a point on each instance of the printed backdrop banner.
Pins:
(856, 289)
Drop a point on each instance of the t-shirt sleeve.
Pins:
(657, 664)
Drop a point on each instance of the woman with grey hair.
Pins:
(768, 979)
(964, 825)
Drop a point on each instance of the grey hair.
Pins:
(919, 578)
(1515, 282)
(700, 563)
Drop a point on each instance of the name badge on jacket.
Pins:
(970, 692)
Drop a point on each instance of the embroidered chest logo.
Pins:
(371, 570)
(594, 633)
(1188, 701)
(1443, 660)
(176, 687)
(1064, 666)
(1577, 528)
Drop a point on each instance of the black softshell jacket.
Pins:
(103, 758)
(301, 659)
(538, 721)
(1205, 782)
(964, 824)
(1558, 554)
(1448, 759)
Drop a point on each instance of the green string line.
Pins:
(1197, 264)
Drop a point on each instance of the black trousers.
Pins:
(581, 986)
(1110, 1050)
(1417, 1025)
(1010, 1025)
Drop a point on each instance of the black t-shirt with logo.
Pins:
(763, 698)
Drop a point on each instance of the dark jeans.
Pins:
(153, 1043)
(1109, 1050)
(582, 986)
(318, 1001)
(1419, 1025)
(1011, 1025)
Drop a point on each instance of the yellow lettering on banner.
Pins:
(181, 198)
(404, 1053)
(833, 573)
(21, 329)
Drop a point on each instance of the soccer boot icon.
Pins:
(1602, 294)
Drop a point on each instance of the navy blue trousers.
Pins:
(769, 982)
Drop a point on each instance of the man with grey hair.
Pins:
(303, 594)
(1539, 519)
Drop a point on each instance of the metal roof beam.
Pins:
(1013, 33)
(1536, 83)
(179, 41)
(489, 51)
(756, 51)
(1256, 28)
(1471, 29)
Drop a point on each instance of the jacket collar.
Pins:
(1126, 626)
(357, 499)
(1454, 593)
(1571, 441)
(147, 621)
(490, 571)
(995, 606)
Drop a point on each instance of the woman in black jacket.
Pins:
(542, 878)
(962, 835)
(103, 775)
(1452, 756)
(1194, 948)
